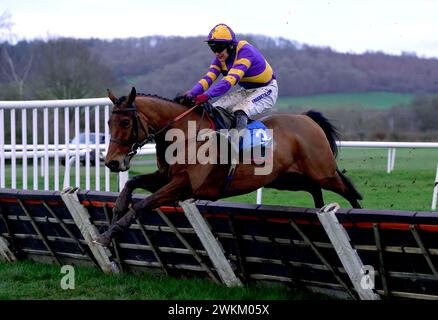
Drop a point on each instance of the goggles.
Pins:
(218, 47)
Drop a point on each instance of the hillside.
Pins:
(166, 65)
(74, 68)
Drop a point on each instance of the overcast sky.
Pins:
(391, 26)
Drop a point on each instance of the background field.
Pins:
(366, 100)
(408, 187)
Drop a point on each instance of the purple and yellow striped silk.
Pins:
(248, 68)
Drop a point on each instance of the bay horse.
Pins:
(303, 158)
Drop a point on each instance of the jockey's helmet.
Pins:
(221, 37)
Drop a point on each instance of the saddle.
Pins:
(222, 118)
(256, 134)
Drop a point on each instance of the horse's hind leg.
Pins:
(341, 185)
(299, 182)
(316, 193)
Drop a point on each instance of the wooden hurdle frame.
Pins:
(230, 243)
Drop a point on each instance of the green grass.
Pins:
(368, 100)
(31, 280)
(408, 187)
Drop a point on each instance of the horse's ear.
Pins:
(112, 97)
(132, 96)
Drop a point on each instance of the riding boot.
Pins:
(241, 120)
(116, 228)
(235, 135)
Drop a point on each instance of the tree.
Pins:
(5, 26)
(425, 110)
(67, 69)
(15, 68)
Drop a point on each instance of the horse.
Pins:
(303, 158)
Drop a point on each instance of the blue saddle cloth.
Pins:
(257, 135)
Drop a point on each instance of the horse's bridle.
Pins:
(135, 132)
(137, 124)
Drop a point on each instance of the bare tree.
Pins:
(10, 71)
(5, 26)
(16, 72)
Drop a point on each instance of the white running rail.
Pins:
(77, 116)
(62, 120)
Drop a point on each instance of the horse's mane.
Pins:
(154, 96)
(123, 98)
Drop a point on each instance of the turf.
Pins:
(408, 187)
(31, 280)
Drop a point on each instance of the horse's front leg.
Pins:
(150, 182)
(179, 188)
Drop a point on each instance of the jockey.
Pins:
(239, 62)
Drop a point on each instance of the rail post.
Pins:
(341, 242)
(88, 230)
(435, 190)
(5, 253)
(211, 245)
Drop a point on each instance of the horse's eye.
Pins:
(124, 123)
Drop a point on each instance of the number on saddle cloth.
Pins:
(256, 135)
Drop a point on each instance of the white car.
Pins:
(92, 142)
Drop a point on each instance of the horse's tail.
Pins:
(330, 130)
(332, 135)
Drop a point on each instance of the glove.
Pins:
(201, 99)
(186, 99)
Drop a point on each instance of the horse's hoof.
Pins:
(102, 241)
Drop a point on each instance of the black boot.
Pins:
(241, 119)
(235, 135)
